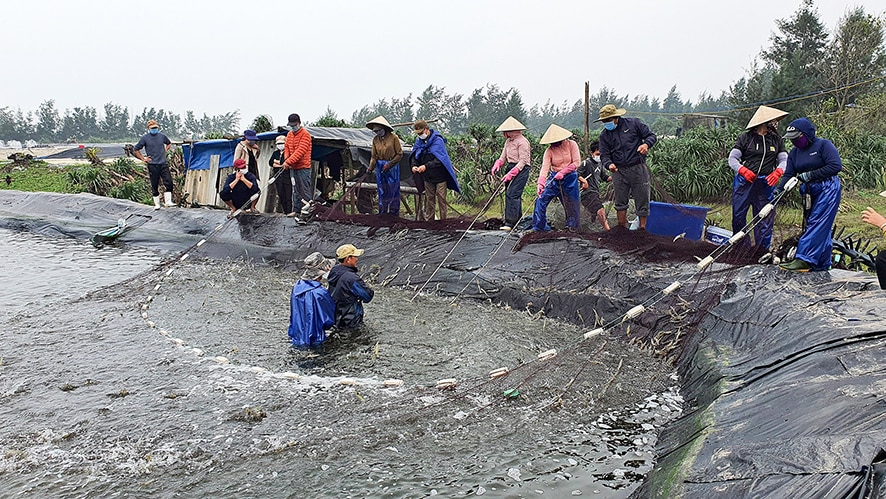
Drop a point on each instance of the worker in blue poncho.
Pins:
(385, 160)
(815, 162)
(312, 310)
(432, 169)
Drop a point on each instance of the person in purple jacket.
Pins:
(815, 162)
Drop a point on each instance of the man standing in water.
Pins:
(155, 145)
(347, 288)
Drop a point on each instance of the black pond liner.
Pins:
(782, 372)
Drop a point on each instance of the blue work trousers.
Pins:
(752, 195)
(816, 246)
(567, 191)
(388, 183)
(514, 196)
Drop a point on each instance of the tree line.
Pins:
(805, 70)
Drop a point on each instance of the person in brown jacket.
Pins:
(385, 160)
(297, 152)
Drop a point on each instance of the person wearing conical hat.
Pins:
(558, 179)
(516, 154)
(385, 160)
(624, 143)
(758, 159)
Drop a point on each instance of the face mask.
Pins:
(154, 131)
(609, 125)
(242, 170)
(802, 142)
(379, 132)
(280, 147)
(424, 136)
(296, 128)
(595, 158)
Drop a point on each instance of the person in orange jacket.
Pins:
(297, 152)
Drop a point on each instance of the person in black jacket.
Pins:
(239, 187)
(759, 160)
(590, 174)
(624, 144)
(282, 182)
(347, 288)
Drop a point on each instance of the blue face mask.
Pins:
(609, 125)
(154, 131)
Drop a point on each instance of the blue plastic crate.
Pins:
(667, 219)
(717, 235)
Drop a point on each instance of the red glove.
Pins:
(496, 166)
(511, 174)
(773, 177)
(747, 174)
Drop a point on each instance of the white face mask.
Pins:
(424, 136)
(280, 147)
(596, 158)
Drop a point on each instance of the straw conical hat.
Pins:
(380, 120)
(555, 134)
(510, 125)
(765, 114)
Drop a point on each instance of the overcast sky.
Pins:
(300, 56)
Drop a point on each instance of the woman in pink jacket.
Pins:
(558, 179)
(516, 156)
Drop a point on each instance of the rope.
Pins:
(486, 207)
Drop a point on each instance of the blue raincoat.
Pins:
(311, 313)
(436, 145)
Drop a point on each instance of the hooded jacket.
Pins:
(311, 313)
(348, 292)
(820, 157)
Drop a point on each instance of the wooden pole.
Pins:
(587, 117)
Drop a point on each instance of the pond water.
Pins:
(181, 382)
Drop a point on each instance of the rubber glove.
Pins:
(511, 174)
(747, 174)
(565, 171)
(805, 177)
(386, 167)
(774, 177)
(497, 165)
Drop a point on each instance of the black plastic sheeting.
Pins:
(783, 373)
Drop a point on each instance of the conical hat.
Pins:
(510, 125)
(555, 134)
(380, 120)
(765, 114)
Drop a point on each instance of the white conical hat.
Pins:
(380, 120)
(510, 125)
(766, 114)
(555, 133)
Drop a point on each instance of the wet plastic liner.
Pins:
(782, 372)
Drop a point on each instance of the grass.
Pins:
(37, 176)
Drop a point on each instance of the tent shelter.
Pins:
(336, 154)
